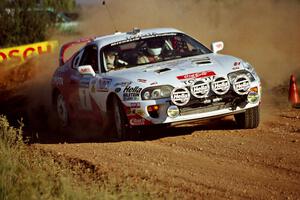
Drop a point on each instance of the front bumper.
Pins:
(138, 115)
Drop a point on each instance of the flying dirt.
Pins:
(196, 160)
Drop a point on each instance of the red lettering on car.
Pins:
(196, 75)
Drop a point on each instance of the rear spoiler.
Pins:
(70, 44)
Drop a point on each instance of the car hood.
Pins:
(176, 71)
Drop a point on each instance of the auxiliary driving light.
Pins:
(153, 108)
(153, 111)
(253, 96)
(173, 111)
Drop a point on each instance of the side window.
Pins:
(90, 57)
(76, 60)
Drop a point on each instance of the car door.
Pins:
(87, 82)
(72, 79)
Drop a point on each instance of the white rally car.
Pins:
(150, 77)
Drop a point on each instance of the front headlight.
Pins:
(232, 76)
(250, 68)
(157, 92)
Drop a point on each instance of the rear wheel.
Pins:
(249, 119)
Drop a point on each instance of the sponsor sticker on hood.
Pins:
(196, 75)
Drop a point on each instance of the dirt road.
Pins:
(213, 160)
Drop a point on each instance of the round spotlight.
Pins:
(173, 111)
(241, 84)
(220, 85)
(180, 96)
(200, 89)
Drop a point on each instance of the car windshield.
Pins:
(145, 50)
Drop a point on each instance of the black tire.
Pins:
(121, 129)
(249, 119)
(62, 112)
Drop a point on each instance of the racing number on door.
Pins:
(84, 96)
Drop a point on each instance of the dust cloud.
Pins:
(265, 33)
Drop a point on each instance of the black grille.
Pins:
(202, 109)
(230, 100)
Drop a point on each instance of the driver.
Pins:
(153, 54)
(110, 58)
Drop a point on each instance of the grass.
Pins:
(26, 173)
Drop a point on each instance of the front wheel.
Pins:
(249, 119)
(121, 128)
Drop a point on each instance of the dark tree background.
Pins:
(27, 21)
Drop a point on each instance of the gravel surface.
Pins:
(197, 161)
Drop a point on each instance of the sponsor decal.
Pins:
(220, 85)
(241, 84)
(139, 36)
(196, 75)
(190, 82)
(58, 81)
(21, 53)
(131, 93)
(122, 84)
(142, 80)
(137, 122)
(135, 105)
(180, 96)
(236, 63)
(104, 84)
(200, 89)
(154, 83)
(85, 70)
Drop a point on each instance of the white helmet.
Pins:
(154, 51)
(154, 47)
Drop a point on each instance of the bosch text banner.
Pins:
(21, 53)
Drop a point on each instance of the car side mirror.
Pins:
(217, 46)
(86, 70)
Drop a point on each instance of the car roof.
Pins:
(118, 36)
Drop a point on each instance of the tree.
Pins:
(60, 5)
(23, 22)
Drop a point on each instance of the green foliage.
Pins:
(65, 5)
(19, 25)
(27, 173)
(23, 22)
